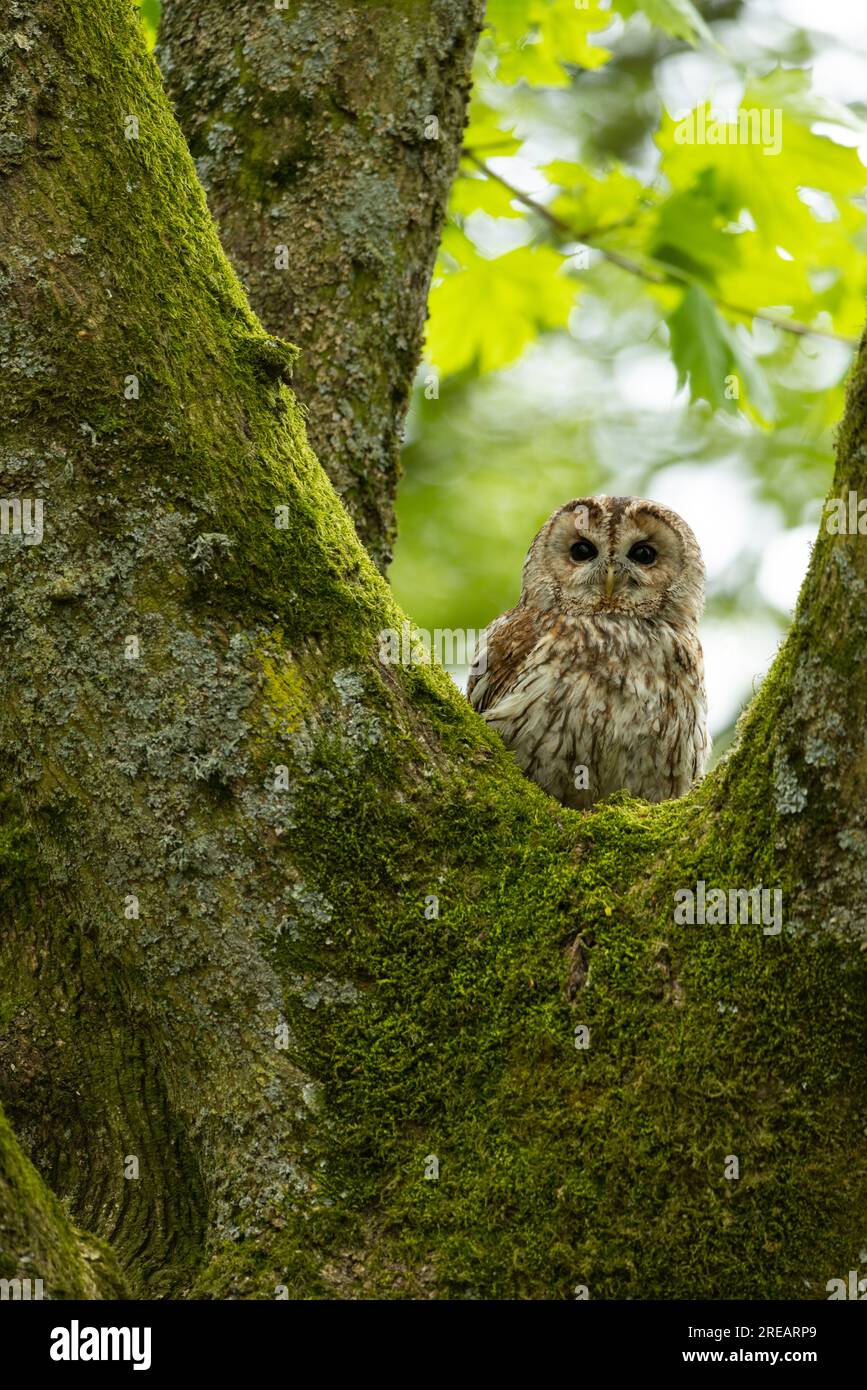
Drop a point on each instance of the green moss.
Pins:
(411, 1035)
(558, 1166)
(37, 1242)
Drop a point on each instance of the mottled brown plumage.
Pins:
(595, 679)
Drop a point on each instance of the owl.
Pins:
(595, 680)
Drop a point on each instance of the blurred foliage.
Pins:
(149, 12)
(718, 231)
(604, 310)
(605, 306)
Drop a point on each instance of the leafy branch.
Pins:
(654, 274)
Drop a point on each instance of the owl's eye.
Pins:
(583, 550)
(642, 553)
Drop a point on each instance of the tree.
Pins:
(305, 987)
(327, 140)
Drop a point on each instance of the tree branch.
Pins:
(652, 274)
(334, 132)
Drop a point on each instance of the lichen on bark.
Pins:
(235, 826)
(333, 131)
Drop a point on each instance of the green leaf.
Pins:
(567, 28)
(591, 203)
(710, 355)
(689, 234)
(455, 247)
(536, 40)
(149, 14)
(509, 19)
(700, 348)
(485, 134)
(759, 399)
(472, 191)
(791, 256)
(679, 18)
(485, 315)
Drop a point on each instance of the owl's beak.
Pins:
(609, 583)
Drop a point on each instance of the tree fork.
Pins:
(411, 1028)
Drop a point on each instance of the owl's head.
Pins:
(616, 555)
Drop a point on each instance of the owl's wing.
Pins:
(500, 656)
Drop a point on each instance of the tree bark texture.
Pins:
(327, 136)
(284, 923)
(40, 1251)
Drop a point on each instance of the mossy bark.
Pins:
(309, 946)
(327, 136)
(41, 1253)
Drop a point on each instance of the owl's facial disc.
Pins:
(615, 555)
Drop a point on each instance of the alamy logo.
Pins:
(20, 1290)
(22, 516)
(748, 126)
(846, 517)
(738, 907)
(857, 1288)
(415, 646)
(76, 1343)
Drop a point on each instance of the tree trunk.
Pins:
(293, 939)
(39, 1249)
(327, 136)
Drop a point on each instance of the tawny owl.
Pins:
(595, 680)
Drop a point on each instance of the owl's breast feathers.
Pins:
(621, 697)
